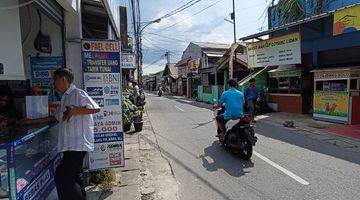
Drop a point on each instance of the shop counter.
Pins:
(28, 157)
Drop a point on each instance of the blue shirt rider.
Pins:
(234, 103)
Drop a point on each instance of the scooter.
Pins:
(160, 92)
(239, 135)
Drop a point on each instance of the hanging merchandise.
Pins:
(42, 41)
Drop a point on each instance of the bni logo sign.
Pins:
(111, 78)
(94, 91)
(112, 102)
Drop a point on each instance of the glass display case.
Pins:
(28, 157)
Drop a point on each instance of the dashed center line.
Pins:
(285, 171)
(180, 109)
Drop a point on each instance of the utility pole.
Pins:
(233, 51)
(233, 17)
(167, 55)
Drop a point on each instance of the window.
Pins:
(353, 84)
(285, 85)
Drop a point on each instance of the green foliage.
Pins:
(104, 177)
(128, 109)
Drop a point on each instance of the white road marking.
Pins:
(180, 109)
(285, 171)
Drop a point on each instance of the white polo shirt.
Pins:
(78, 133)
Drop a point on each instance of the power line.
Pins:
(209, 6)
(171, 38)
(181, 8)
(161, 57)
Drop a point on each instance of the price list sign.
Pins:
(102, 81)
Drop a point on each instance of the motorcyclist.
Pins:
(234, 103)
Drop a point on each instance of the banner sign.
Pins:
(331, 105)
(127, 61)
(42, 69)
(102, 81)
(283, 50)
(280, 74)
(346, 20)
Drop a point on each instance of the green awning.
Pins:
(280, 74)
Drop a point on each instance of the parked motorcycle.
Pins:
(239, 135)
(160, 92)
(139, 100)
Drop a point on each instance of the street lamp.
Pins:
(139, 48)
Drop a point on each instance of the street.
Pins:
(285, 164)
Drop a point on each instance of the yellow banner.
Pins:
(347, 20)
(331, 103)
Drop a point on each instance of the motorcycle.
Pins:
(160, 92)
(239, 135)
(139, 100)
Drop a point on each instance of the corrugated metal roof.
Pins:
(210, 45)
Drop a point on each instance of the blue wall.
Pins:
(309, 6)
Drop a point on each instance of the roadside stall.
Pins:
(336, 95)
(33, 49)
(285, 85)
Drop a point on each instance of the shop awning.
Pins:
(285, 71)
(253, 75)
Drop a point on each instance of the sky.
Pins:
(206, 26)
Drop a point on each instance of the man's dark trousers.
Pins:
(69, 177)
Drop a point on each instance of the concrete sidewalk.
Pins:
(304, 124)
(147, 175)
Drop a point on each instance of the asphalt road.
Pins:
(285, 164)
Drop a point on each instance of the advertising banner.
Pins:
(331, 105)
(283, 50)
(346, 20)
(42, 69)
(127, 61)
(102, 81)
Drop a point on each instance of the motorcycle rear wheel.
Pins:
(246, 153)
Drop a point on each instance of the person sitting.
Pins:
(233, 100)
(8, 113)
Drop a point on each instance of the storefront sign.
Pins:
(42, 69)
(283, 50)
(39, 188)
(101, 66)
(285, 74)
(346, 20)
(331, 105)
(326, 75)
(127, 61)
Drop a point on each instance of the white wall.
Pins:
(10, 43)
(29, 29)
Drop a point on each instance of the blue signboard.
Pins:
(42, 69)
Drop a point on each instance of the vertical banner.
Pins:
(102, 81)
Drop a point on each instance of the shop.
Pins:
(286, 84)
(336, 95)
(34, 49)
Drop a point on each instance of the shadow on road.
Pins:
(222, 159)
(295, 138)
(187, 168)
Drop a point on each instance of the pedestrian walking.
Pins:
(251, 94)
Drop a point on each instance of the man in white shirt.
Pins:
(76, 134)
